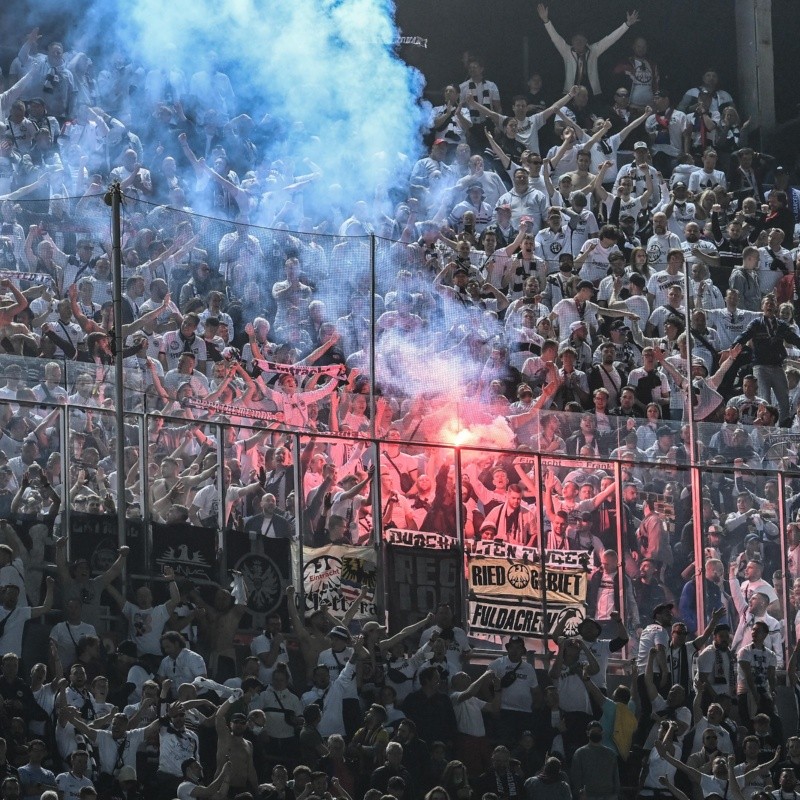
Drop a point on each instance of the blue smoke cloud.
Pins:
(323, 70)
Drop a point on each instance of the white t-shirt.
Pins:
(760, 660)
(517, 696)
(469, 719)
(67, 636)
(457, 647)
(335, 662)
(187, 666)
(185, 790)
(69, 785)
(260, 645)
(595, 268)
(700, 180)
(652, 636)
(601, 650)
(682, 714)
(659, 284)
(109, 749)
(11, 640)
(145, 626)
(174, 750)
(707, 664)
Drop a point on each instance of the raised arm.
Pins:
(294, 617)
(47, 605)
(633, 124)
(409, 630)
(504, 159)
(115, 570)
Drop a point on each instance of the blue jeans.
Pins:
(772, 383)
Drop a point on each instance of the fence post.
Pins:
(115, 195)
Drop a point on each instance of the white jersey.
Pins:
(700, 180)
(550, 244)
(658, 245)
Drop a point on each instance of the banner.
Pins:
(233, 411)
(94, 537)
(425, 539)
(502, 578)
(30, 277)
(333, 370)
(334, 575)
(576, 464)
(266, 567)
(506, 617)
(573, 559)
(190, 551)
(417, 580)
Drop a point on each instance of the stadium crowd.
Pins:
(584, 278)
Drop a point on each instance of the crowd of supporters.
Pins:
(582, 278)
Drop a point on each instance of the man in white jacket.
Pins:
(580, 57)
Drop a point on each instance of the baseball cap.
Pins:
(340, 632)
(780, 170)
(515, 639)
(679, 183)
(665, 430)
(752, 537)
(641, 146)
(579, 323)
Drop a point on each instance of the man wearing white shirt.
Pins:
(661, 242)
(282, 709)
(117, 747)
(70, 783)
(180, 664)
(774, 261)
(594, 255)
(552, 240)
(708, 176)
(270, 648)
(638, 170)
(668, 129)
(729, 322)
(145, 622)
(477, 88)
(750, 612)
(659, 283)
(176, 745)
(680, 212)
(450, 121)
(580, 57)
(68, 633)
(458, 647)
(493, 186)
(755, 685)
(519, 687)
(524, 201)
